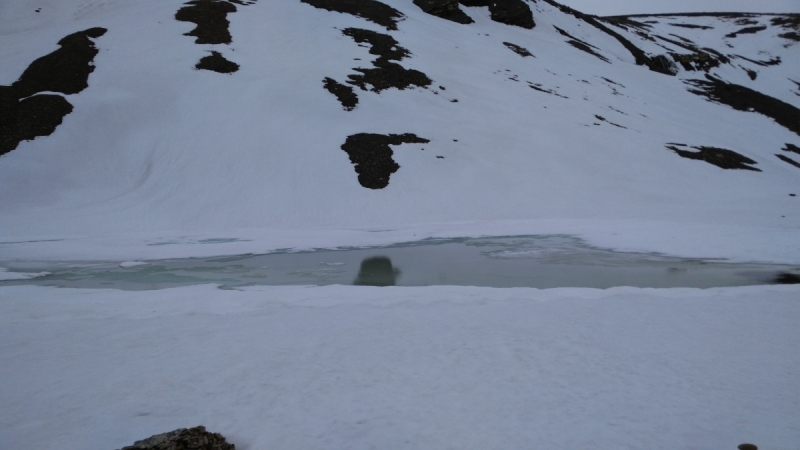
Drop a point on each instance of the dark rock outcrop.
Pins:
(445, 9)
(509, 12)
(210, 16)
(385, 74)
(581, 45)
(196, 438)
(372, 156)
(720, 157)
(521, 51)
(639, 55)
(217, 63)
(24, 115)
(343, 93)
(746, 99)
(372, 10)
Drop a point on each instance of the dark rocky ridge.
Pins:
(343, 93)
(720, 157)
(210, 16)
(183, 439)
(24, 115)
(639, 55)
(372, 156)
(445, 9)
(217, 63)
(372, 10)
(385, 74)
(509, 12)
(745, 99)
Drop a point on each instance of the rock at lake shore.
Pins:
(196, 438)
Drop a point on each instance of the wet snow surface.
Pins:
(361, 124)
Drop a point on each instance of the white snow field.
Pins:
(156, 151)
(159, 159)
(427, 368)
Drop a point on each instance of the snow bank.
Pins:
(445, 367)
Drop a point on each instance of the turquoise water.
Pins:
(519, 261)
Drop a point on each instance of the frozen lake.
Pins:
(521, 261)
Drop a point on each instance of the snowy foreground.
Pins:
(426, 368)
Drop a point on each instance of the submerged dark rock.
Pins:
(445, 9)
(782, 278)
(210, 16)
(385, 74)
(377, 271)
(372, 10)
(521, 51)
(746, 99)
(25, 115)
(720, 157)
(509, 12)
(343, 93)
(372, 156)
(217, 63)
(196, 438)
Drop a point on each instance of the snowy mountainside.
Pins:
(306, 116)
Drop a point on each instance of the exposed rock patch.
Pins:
(603, 119)
(385, 74)
(184, 439)
(581, 45)
(539, 88)
(720, 157)
(217, 63)
(25, 115)
(372, 10)
(372, 156)
(792, 148)
(639, 55)
(786, 159)
(770, 62)
(210, 16)
(700, 59)
(748, 30)
(509, 12)
(66, 70)
(689, 25)
(343, 93)
(746, 99)
(791, 23)
(445, 9)
(521, 51)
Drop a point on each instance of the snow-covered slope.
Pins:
(516, 130)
